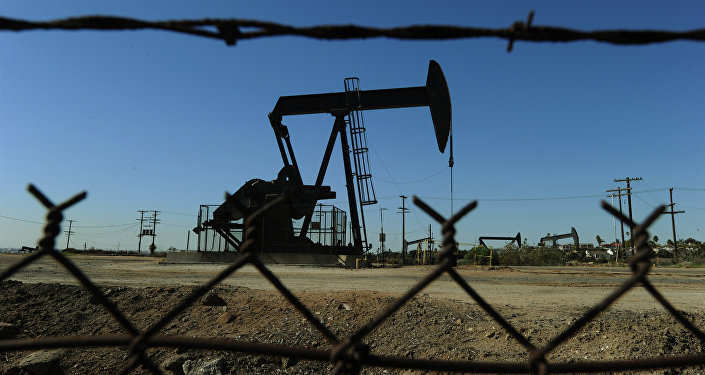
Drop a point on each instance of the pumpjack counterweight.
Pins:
(280, 233)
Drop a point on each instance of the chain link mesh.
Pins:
(350, 355)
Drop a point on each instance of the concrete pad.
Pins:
(349, 261)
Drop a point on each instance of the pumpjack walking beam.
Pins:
(435, 95)
(516, 238)
(573, 234)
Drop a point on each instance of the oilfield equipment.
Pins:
(458, 245)
(474, 250)
(425, 246)
(516, 238)
(573, 234)
(489, 256)
(484, 256)
(323, 231)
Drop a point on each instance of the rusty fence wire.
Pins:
(349, 355)
(232, 30)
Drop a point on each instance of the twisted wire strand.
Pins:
(351, 355)
(230, 30)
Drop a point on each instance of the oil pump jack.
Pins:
(516, 238)
(573, 234)
(276, 226)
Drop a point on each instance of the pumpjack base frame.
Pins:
(324, 260)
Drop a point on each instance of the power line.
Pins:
(628, 180)
(75, 226)
(567, 197)
(673, 213)
(105, 226)
(403, 210)
(414, 181)
(653, 197)
(177, 225)
(75, 246)
(23, 220)
(178, 213)
(396, 185)
(141, 232)
(154, 229)
(649, 204)
(112, 233)
(91, 241)
(619, 197)
(691, 223)
(230, 30)
(148, 227)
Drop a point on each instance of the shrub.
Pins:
(479, 255)
(510, 255)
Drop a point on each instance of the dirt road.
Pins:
(536, 287)
(441, 323)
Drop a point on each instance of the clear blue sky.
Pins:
(157, 120)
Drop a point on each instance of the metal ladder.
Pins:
(358, 141)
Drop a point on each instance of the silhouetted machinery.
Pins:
(517, 238)
(573, 234)
(277, 225)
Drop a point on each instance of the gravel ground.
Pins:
(440, 323)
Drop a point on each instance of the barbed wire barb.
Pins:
(232, 30)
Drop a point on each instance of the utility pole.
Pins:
(430, 242)
(403, 212)
(451, 164)
(673, 221)
(619, 196)
(629, 202)
(382, 236)
(140, 234)
(154, 229)
(68, 233)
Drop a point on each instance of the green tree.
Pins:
(656, 239)
(627, 245)
(478, 255)
(599, 240)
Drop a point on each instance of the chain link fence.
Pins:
(349, 355)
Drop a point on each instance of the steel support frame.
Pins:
(339, 129)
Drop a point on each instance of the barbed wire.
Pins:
(231, 30)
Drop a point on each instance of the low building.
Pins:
(598, 254)
(571, 246)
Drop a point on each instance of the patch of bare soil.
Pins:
(424, 328)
